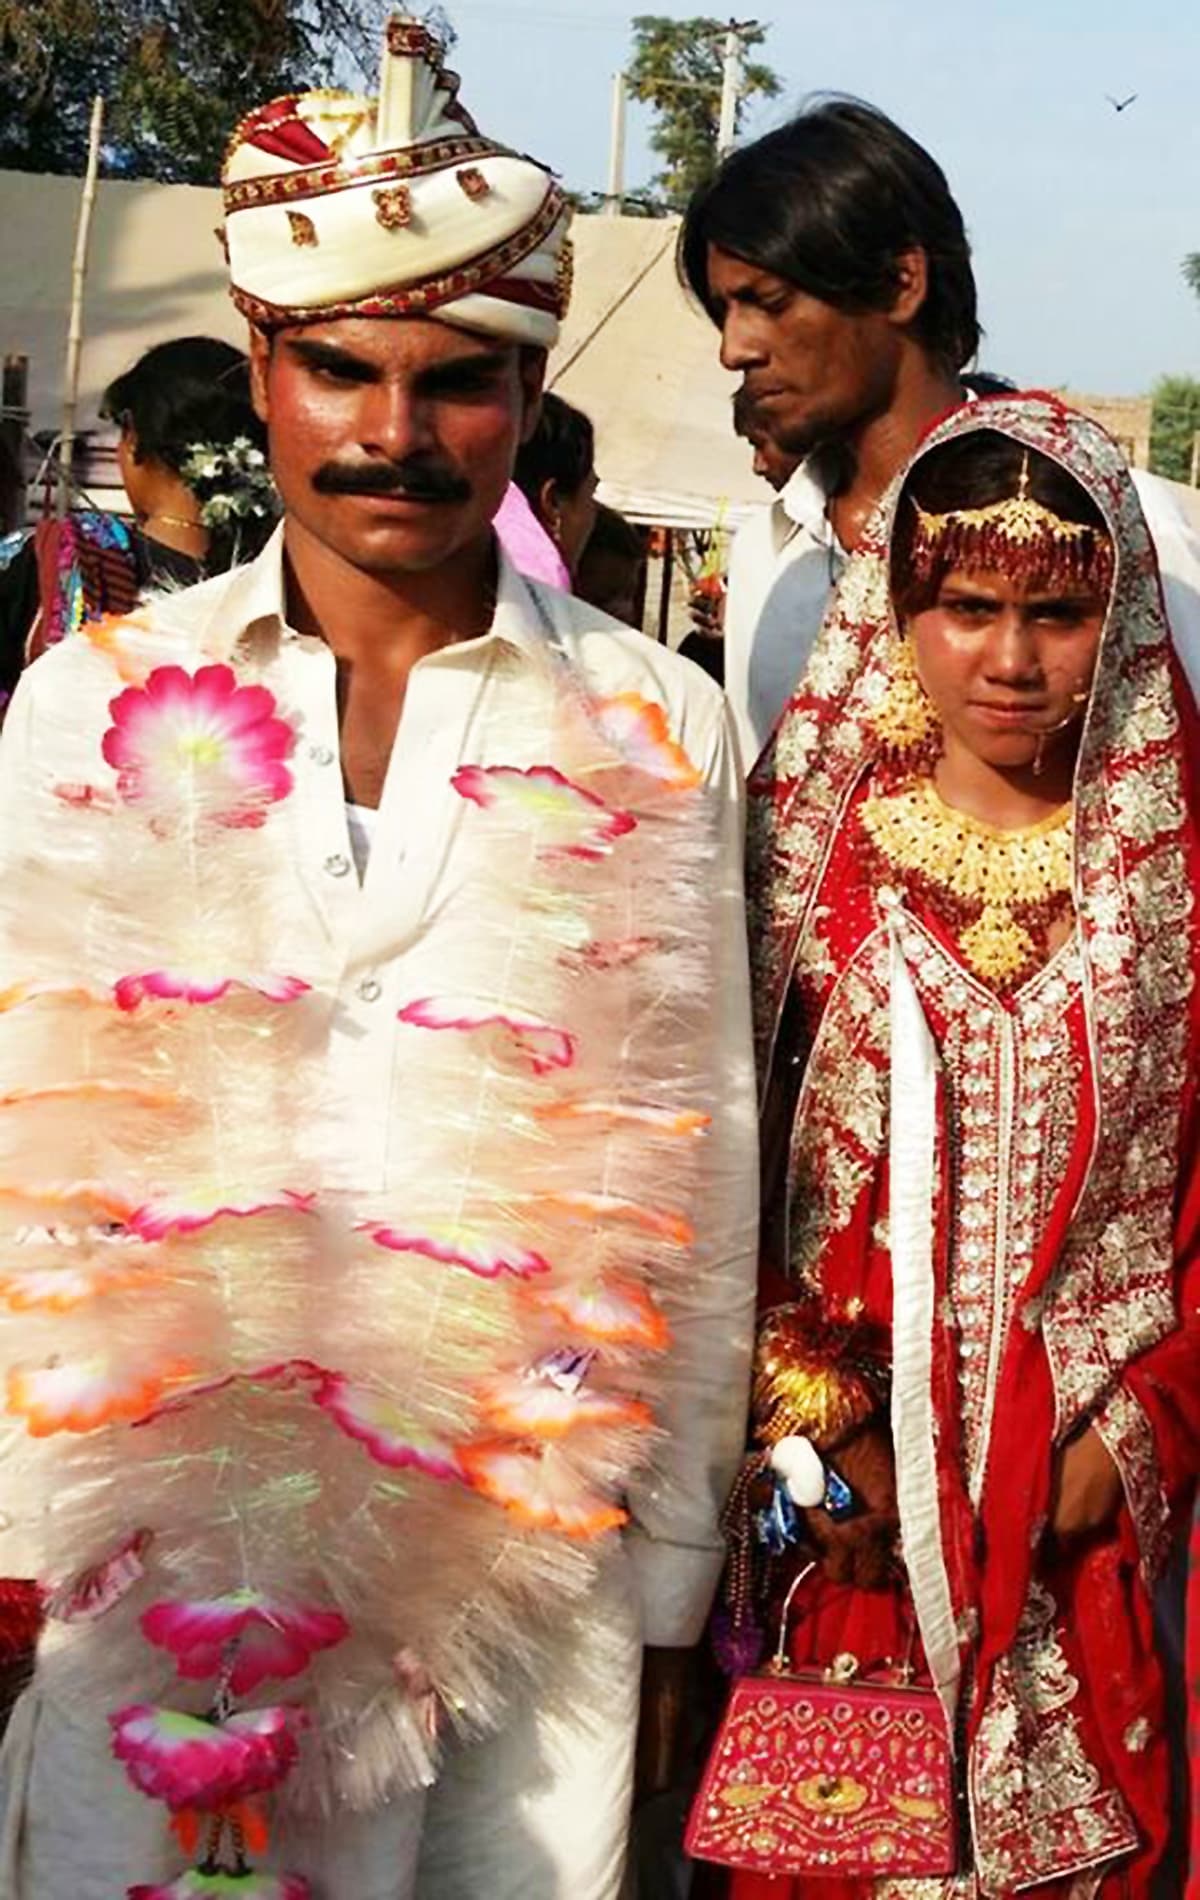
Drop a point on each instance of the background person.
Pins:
(556, 472)
(611, 571)
(774, 464)
(192, 463)
(833, 259)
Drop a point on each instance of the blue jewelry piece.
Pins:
(777, 1524)
(839, 1498)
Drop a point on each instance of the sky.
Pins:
(1079, 217)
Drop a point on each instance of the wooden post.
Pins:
(66, 447)
(14, 420)
(1195, 474)
(668, 576)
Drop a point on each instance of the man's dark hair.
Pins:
(985, 382)
(562, 450)
(830, 202)
(192, 389)
(615, 536)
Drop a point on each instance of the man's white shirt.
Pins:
(783, 566)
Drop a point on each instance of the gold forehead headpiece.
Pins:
(1018, 533)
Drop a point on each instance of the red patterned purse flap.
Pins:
(809, 1776)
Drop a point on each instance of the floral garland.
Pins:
(256, 1481)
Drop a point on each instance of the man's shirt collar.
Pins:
(253, 599)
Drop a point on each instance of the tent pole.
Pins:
(668, 574)
(66, 447)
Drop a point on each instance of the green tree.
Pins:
(634, 204)
(176, 75)
(1191, 270)
(1174, 423)
(677, 69)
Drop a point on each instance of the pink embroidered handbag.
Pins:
(827, 1773)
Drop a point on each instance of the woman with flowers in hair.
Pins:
(977, 1393)
(191, 454)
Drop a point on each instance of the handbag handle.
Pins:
(779, 1661)
(838, 1670)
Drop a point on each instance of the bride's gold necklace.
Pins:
(999, 891)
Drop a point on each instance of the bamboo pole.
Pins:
(66, 446)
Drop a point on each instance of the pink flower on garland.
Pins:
(82, 1395)
(529, 1406)
(617, 1114)
(459, 1245)
(543, 1044)
(198, 985)
(611, 1311)
(600, 1210)
(637, 728)
(224, 1886)
(572, 821)
(91, 1593)
(190, 1763)
(189, 1214)
(258, 1636)
(286, 1374)
(60, 1289)
(539, 1490)
(199, 742)
(389, 1434)
(608, 953)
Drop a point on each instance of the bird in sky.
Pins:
(1119, 105)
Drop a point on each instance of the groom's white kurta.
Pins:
(539, 1812)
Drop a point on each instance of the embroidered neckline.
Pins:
(1000, 890)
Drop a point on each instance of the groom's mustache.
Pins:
(414, 479)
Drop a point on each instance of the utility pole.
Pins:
(736, 33)
(615, 194)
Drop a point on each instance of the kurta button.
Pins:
(337, 865)
(321, 754)
(370, 989)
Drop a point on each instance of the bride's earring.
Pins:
(905, 722)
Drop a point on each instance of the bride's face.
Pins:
(1006, 663)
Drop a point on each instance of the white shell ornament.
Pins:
(799, 1464)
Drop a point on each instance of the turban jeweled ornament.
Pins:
(337, 205)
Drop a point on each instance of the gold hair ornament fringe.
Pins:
(1018, 536)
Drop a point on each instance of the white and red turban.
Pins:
(338, 205)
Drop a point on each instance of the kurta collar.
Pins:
(803, 499)
(253, 599)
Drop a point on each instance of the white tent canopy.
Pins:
(641, 360)
(634, 353)
(155, 271)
